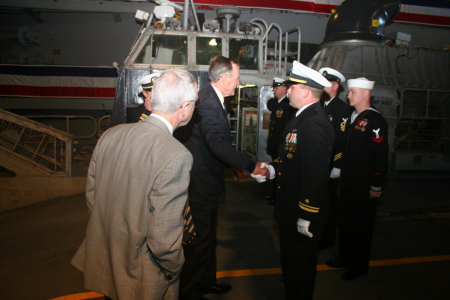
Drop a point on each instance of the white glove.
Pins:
(271, 169)
(259, 178)
(335, 173)
(303, 227)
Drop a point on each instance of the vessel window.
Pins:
(167, 49)
(245, 52)
(207, 48)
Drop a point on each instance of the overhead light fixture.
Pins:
(213, 42)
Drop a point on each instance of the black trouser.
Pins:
(299, 260)
(199, 269)
(357, 214)
(329, 236)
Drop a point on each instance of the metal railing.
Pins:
(43, 146)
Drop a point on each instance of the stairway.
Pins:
(35, 163)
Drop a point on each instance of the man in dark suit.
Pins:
(338, 112)
(301, 206)
(281, 114)
(208, 137)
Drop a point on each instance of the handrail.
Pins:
(265, 38)
(299, 38)
(41, 145)
(99, 126)
(68, 118)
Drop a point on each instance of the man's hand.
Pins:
(261, 171)
(374, 195)
(303, 227)
(239, 175)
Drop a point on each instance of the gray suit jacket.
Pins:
(136, 192)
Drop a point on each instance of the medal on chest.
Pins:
(291, 144)
(279, 113)
(362, 124)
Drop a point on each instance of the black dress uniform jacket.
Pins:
(302, 177)
(366, 148)
(137, 114)
(303, 166)
(364, 165)
(338, 112)
(281, 114)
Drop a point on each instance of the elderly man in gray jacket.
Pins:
(136, 192)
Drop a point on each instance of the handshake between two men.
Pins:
(262, 171)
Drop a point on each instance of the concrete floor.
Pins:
(410, 254)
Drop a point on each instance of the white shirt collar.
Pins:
(303, 108)
(282, 98)
(221, 98)
(355, 114)
(169, 126)
(329, 101)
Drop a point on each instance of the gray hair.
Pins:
(172, 89)
(219, 66)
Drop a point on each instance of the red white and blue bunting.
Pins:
(432, 12)
(57, 81)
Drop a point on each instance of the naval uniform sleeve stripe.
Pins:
(308, 208)
(338, 156)
(143, 117)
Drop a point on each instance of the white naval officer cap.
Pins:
(301, 74)
(361, 82)
(144, 84)
(279, 82)
(147, 81)
(332, 75)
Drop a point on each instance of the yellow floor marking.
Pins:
(273, 271)
(80, 296)
(376, 263)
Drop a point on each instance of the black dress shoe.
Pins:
(334, 264)
(350, 276)
(219, 288)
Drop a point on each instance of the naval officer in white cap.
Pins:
(338, 112)
(302, 176)
(281, 114)
(143, 99)
(364, 165)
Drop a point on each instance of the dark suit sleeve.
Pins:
(316, 149)
(214, 127)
